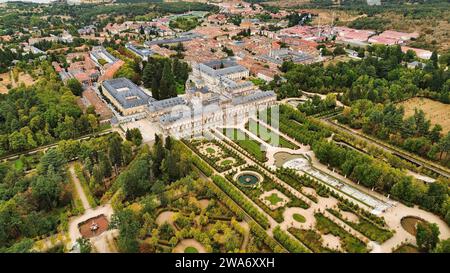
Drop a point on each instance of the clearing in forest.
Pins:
(437, 112)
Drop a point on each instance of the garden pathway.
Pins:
(103, 242)
(80, 192)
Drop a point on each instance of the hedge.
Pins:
(288, 242)
(240, 199)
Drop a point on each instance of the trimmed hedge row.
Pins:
(366, 227)
(240, 199)
(312, 239)
(202, 165)
(258, 231)
(213, 161)
(255, 228)
(288, 242)
(349, 242)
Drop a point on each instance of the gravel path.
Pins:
(78, 188)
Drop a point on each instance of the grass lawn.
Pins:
(299, 218)
(190, 249)
(180, 89)
(250, 145)
(226, 162)
(274, 198)
(268, 136)
(18, 165)
(210, 150)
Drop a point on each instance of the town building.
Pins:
(102, 57)
(279, 56)
(143, 53)
(127, 97)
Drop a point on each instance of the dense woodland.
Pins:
(377, 174)
(37, 201)
(316, 105)
(185, 23)
(381, 77)
(147, 177)
(388, 122)
(32, 205)
(19, 15)
(41, 114)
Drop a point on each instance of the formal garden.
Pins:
(274, 199)
(215, 153)
(268, 135)
(192, 220)
(312, 239)
(358, 220)
(246, 142)
(265, 189)
(296, 125)
(348, 242)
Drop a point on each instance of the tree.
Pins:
(46, 190)
(158, 156)
(444, 145)
(115, 151)
(127, 152)
(167, 85)
(435, 196)
(339, 50)
(93, 122)
(68, 148)
(97, 174)
(169, 167)
(134, 135)
(435, 133)
(405, 190)
(75, 86)
(434, 59)
(443, 246)
(136, 180)
(125, 221)
(88, 165)
(17, 141)
(168, 143)
(427, 236)
(105, 165)
(410, 55)
(85, 245)
(54, 160)
(422, 124)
